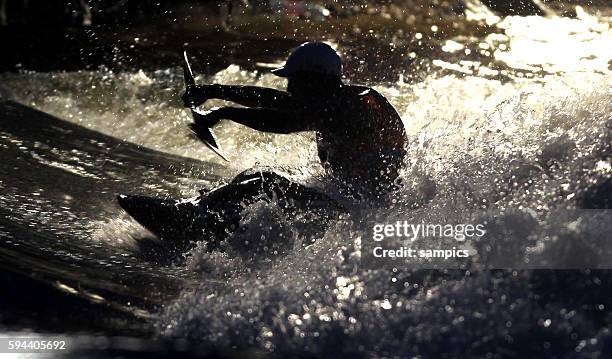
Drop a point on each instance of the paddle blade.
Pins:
(205, 135)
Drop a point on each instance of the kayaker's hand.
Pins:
(194, 97)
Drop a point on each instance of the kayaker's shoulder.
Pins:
(357, 90)
(365, 95)
(360, 91)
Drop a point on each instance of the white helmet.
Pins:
(315, 57)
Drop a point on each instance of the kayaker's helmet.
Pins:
(313, 57)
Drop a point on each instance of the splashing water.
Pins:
(528, 127)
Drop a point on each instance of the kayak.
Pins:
(212, 217)
(179, 222)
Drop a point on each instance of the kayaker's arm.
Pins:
(250, 96)
(260, 119)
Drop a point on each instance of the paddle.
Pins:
(204, 134)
